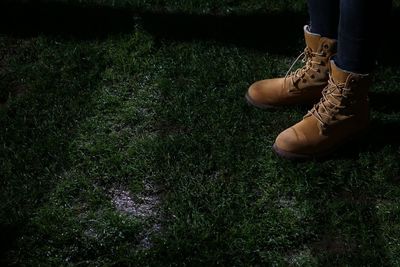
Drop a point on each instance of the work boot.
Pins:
(303, 86)
(340, 115)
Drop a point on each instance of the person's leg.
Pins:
(361, 27)
(324, 17)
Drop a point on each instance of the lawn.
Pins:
(125, 140)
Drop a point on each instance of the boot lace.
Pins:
(309, 58)
(330, 103)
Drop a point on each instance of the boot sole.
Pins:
(251, 102)
(303, 157)
(298, 157)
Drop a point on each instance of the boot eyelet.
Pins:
(326, 46)
(312, 76)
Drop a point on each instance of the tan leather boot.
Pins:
(341, 114)
(303, 86)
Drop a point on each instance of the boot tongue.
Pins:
(312, 39)
(339, 76)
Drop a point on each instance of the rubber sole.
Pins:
(298, 157)
(303, 157)
(258, 105)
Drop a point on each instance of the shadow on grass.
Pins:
(276, 32)
(34, 146)
(386, 102)
(273, 32)
(380, 134)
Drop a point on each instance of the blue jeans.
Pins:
(356, 24)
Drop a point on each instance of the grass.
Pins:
(159, 112)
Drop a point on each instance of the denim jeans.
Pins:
(356, 24)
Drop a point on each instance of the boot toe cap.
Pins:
(256, 91)
(265, 92)
(291, 144)
(287, 140)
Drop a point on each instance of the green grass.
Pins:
(194, 6)
(86, 116)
